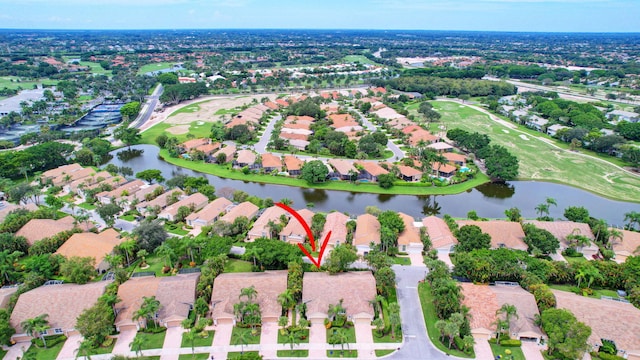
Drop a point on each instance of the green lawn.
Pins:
(96, 68)
(282, 339)
(16, 82)
(176, 229)
(155, 265)
(155, 67)
(597, 293)
(387, 337)
(235, 265)
(339, 353)
(359, 58)
(195, 107)
(199, 341)
(104, 350)
(2, 353)
(128, 217)
(45, 353)
(430, 318)
(404, 189)
(203, 356)
(224, 111)
(541, 161)
(380, 353)
(401, 260)
(292, 353)
(235, 336)
(198, 129)
(516, 352)
(151, 341)
(351, 334)
(87, 206)
(237, 354)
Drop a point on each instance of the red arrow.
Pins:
(307, 229)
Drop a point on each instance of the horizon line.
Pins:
(325, 29)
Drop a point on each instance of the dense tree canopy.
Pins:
(470, 237)
(314, 171)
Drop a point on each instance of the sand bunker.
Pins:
(524, 137)
(505, 131)
(178, 130)
(208, 109)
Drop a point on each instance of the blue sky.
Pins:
(494, 15)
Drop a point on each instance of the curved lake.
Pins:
(489, 200)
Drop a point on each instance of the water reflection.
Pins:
(497, 191)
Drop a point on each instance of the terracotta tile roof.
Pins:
(387, 113)
(161, 200)
(268, 284)
(294, 230)
(246, 157)
(194, 143)
(271, 105)
(176, 294)
(141, 194)
(410, 234)
(342, 167)
(113, 181)
(63, 303)
(131, 293)
(6, 208)
(304, 125)
(209, 149)
(411, 128)
(238, 121)
(228, 150)
(131, 187)
(367, 230)
(608, 319)
(96, 246)
(445, 168)
(561, 229)
(53, 173)
(73, 176)
(336, 223)
(453, 157)
(292, 163)
(282, 102)
(89, 180)
(343, 120)
(38, 229)
(292, 136)
(293, 118)
(196, 200)
(440, 146)
(286, 130)
(507, 233)
(210, 211)
(372, 168)
(409, 171)
(439, 233)
(356, 289)
(260, 228)
(525, 302)
(629, 245)
(422, 135)
(246, 209)
(482, 304)
(271, 161)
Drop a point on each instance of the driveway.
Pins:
(532, 351)
(172, 342)
(221, 340)
(122, 344)
(483, 349)
(70, 347)
(416, 342)
(269, 338)
(317, 335)
(364, 339)
(261, 145)
(17, 350)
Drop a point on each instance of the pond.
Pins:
(489, 200)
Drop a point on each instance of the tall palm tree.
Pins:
(292, 339)
(335, 310)
(38, 324)
(509, 311)
(243, 338)
(339, 337)
(542, 209)
(254, 253)
(136, 345)
(249, 292)
(451, 330)
(84, 349)
(440, 325)
(286, 300)
(394, 318)
(166, 253)
(127, 247)
(190, 336)
(283, 321)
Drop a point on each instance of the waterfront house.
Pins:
(209, 214)
(367, 232)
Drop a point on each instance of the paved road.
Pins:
(397, 153)
(151, 104)
(261, 145)
(416, 342)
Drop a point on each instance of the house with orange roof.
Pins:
(73, 176)
(142, 194)
(282, 103)
(409, 239)
(344, 122)
(94, 178)
(343, 169)
(371, 170)
(271, 162)
(441, 147)
(293, 165)
(246, 158)
(504, 234)
(210, 213)
(409, 174)
(261, 228)
(336, 222)
(442, 239)
(294, 232)
(246, 209)
(561, 229)
(293, 136)
(38, 229)
(176, 295)
(127, 189)
(422, 136)
(367, 232)
(59, 171)
(112, 181)
(194, 202)
(95, 246)
(209, 149)
(63, 303)
(160, 202)
(271, 105)
(629, 245)
(443, 170)
(189, 145)
(299, 144)
(229, 151)
(455, 159)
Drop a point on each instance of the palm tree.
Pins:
(292, 339)
(542, 209)
(84, 349)
(440, 325)
(339, 337)
(127, 248)
(148, 310)
(467, 342)
(633, 219)
(379, 324)
(242, 338)
(500, 326)
(283, 321)
(38, 324)
(253, 252)
(451, 330)
(508, 310)
(286, 201)
(286, 300)
(615, 234)
(110, 300)
(190, 336)
(166, 253)
(113, 260)
(136, 345)
(249, 292)
(394, 318)
(335, 310)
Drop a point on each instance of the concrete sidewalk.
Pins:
(70, 347)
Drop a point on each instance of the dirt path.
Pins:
(548, 141)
